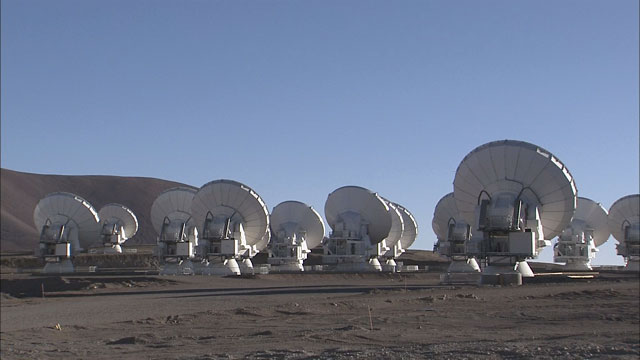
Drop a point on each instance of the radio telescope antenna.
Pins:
(360, 220)
(263, 244)
(390, 248)
(410, 231)
(233, 220)
(516, 196)
(177, 232)
(577, 244)
(624, 224)
(397, 224)
(453, 235)
(118, 224)
(297, 228)
(68, 224)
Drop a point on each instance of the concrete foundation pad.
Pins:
(60, 267)
(468, 278)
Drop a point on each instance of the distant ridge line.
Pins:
(21, 191)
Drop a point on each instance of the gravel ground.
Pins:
(317, 316)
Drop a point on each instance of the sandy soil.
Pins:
(317, 316)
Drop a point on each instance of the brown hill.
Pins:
(20, 192)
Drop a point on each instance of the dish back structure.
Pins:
(68, 224)
(516, 196)
(624, 224)
(176, 228)
(233, 221)
(453, 235)
(118, 224)
(410, 229)
(360, 220)
(296, 228)
(577, 244)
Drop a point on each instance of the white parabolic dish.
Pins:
(624, 212)
(302, 214)
(124, 214)
(63, 207)
(514, 166)
(175, 204)
(368, 204)
(262, 244)
(410, 231)
(595, 217)
(397, 224)
(446, 209)
(232, 199)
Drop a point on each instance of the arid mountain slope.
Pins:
(20, 192)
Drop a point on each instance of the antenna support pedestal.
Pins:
(222, 267)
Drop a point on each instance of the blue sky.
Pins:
(298, 98)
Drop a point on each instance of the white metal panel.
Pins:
(226, 197)
(511, 159)
(550, 222)
(467, 191)
(410, 230)
(445, 210)
(262, 244)
(364, 202)
(302, 214)
(467, 182)
(498, 160)
(504, 186)
(522, 161)
(537, 166)
(555, 207)
(466, 208)
(397, 224)
(122, 213)
(595, 217)
(175, 204)
(72, 207)
(625, 211)
(485, 165)
(525, 165)
(544, 181)
(555, 196)
(476, 167)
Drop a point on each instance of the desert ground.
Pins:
(139, 315)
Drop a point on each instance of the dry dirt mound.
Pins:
(20, 192)
(279, 316)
